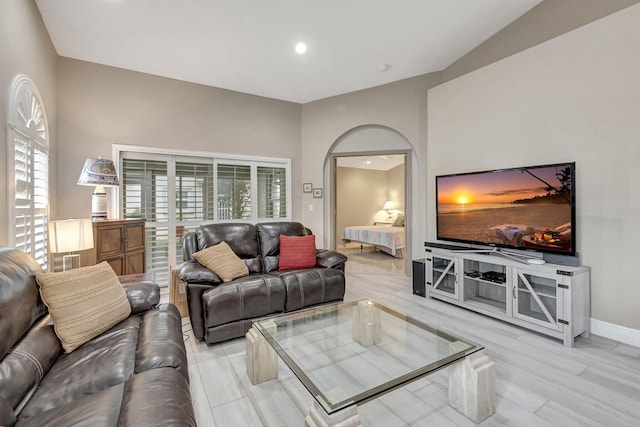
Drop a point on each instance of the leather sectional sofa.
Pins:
(134, 374)
(223, 310)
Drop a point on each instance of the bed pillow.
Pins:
(297, 252)
(223, 261)
(83, 302)
(399, 222)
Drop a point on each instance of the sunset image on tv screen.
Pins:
(524, 207)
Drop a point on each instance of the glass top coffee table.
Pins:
(349, 353)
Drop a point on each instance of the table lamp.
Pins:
(101, 173)
(388, 206)
(70, 235)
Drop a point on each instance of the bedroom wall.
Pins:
(360, 195)
(100, 106)
(395, 188)
(25, 48)
(572, 98)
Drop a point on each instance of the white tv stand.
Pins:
(550, 299)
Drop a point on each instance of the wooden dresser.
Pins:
(121, 243)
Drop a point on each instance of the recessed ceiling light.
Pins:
(301, 48)
(368, 162)
(383, 67)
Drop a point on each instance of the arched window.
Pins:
(27, 170)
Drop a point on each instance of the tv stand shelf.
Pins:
(550, 299)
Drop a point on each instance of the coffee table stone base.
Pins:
(262, 360)
(318, 417)
(472, 386)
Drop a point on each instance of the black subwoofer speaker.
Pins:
(418, 274)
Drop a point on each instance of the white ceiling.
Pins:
(248, 45)
(383, 163)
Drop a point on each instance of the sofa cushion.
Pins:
(160, 332)
(142, 295)
(22, 370)
(223, 261)
(310, 287)
(104, 361)
(97, 410)
(297, 252)
(245, 298)
(19, 298)
(83, 302)
(7, 417)
(269, 235)
(159, 397)
(241, 237)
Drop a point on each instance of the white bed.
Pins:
(387, 239)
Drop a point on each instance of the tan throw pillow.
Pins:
(223, 261)
(83, 302)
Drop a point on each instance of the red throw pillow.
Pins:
(297, 252)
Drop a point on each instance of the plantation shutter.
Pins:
(27, 170)
(194, 192)
(145, 195)
(31, 203)
(234, 191)
(195, 204)
(272, 192)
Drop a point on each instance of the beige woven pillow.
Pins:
(223, 261)
(83, 302)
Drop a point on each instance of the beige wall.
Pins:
(573, 98)
(100, 106)
(25, 48)
(395, 185)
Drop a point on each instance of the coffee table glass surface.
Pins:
(351, 352)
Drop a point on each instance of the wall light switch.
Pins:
(310, 207)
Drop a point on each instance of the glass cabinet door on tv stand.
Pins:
(442, 276)
(537, 300)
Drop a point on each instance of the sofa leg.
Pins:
(262, 360)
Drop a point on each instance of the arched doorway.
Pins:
(376, 144)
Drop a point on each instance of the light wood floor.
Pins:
(539, 381)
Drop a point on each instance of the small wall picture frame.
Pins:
(317, 193)
(306, 187)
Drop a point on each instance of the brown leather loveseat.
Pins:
(223, 310)
(133, 374)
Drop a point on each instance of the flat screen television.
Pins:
(528, 208)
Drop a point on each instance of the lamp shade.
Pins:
(99, 172)
(388, 205)
(70, 235)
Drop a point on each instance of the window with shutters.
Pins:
(233, 183)
(28, 170)
(272, 192)
(207, 188)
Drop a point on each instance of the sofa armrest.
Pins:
(330, 259)
(142, 295)
(194, 272)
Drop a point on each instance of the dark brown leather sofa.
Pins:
(221, 311)
(134, 374)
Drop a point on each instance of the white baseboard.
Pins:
(616, 332)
